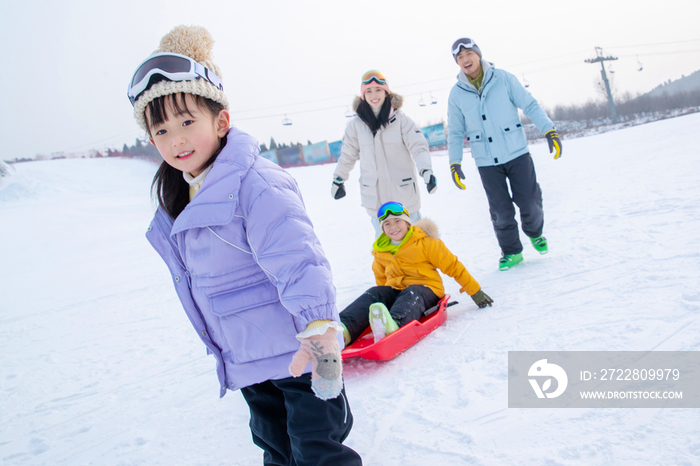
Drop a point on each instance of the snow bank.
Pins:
(100, 365)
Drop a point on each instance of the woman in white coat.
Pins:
(392, 150)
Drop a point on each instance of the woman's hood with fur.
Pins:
(396, 102)
(428, 226)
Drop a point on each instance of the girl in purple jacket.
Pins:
(246, 264)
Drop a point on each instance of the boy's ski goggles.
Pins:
(464, 43)
(170, 66)
(391, 208)
(375, 76)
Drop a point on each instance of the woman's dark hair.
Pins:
(169, 186)
(366, 114)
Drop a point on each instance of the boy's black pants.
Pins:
(295, 428)
(404, 306)
(527, 195)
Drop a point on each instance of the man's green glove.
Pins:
(482, 299)
(457, 175)
(554, 143)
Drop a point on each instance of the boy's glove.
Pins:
(430, 181)
(482, 299)
(337, 188)
(326, 364)
(457, 175)
(554, 143)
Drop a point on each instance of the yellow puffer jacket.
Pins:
(416, 263)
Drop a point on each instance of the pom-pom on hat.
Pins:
(197, 43)
(373, 78)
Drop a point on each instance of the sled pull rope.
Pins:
(429, 311)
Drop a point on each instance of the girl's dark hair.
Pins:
(366, 114)
(169, 186)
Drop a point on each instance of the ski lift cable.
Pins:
(658, 43)
(660, 53)
(347, 96)
(532, 71)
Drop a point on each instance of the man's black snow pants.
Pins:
(295, 428)
(526, 194)
(404, 306)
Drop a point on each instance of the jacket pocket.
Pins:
(475, 139)
(514, 136)
(254, 323)
(403, 189)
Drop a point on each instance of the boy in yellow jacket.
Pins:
(406, 259)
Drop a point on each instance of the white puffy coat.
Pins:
(388, 159)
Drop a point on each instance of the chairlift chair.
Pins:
(286, 121)
(433, 100)
(525, 82)
(421, 102)
(349, 113)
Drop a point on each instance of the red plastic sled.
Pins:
(396, 343)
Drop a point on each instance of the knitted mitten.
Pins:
(326, 364)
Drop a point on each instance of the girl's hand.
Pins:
(326, 363)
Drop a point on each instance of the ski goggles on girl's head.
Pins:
(375, 76)
(391, 208)
(171, 67)
(464, 43)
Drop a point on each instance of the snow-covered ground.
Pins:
(100, 365)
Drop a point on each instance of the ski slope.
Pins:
(100, 365)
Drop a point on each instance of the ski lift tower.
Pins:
(600, 58)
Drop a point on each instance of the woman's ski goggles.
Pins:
(170, 66)
(375, 76)
(391, 208)
(464, 43)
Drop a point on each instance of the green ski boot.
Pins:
(540, 244)
(381, 321)
(509, 260)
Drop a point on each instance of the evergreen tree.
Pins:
(273, 145)
(263, 147)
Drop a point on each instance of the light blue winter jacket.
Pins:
(489, 119)
(246, 265)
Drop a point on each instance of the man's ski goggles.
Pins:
(391, 208)
(169, 66)
(375, 76)
(460, 44)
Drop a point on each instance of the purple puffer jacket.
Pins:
(246, 265)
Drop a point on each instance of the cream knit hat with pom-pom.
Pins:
(197, 43)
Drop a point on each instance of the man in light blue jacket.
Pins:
(483, 109)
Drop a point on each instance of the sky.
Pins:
(303, 60)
